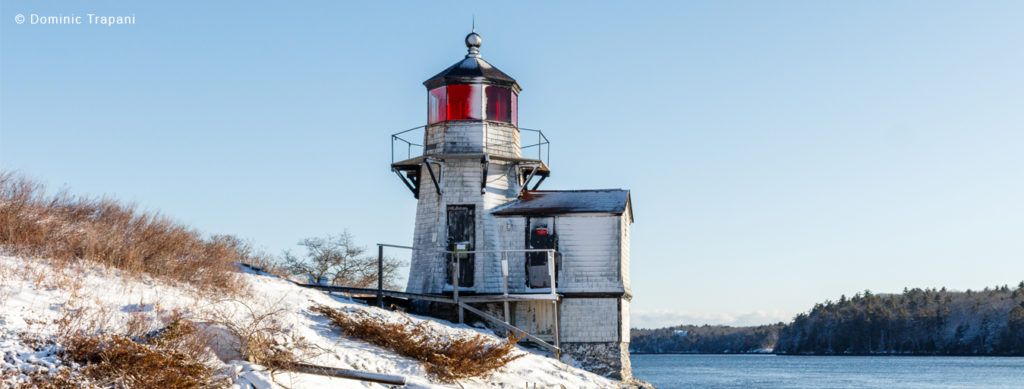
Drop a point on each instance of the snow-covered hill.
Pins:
(34, 293)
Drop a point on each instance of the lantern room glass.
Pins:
(472, 102)
(437, 105)
(464, 102)
(499, 103)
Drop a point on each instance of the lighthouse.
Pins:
(551, 263)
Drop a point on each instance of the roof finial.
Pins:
(473, 42)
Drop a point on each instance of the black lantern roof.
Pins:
(473, 70)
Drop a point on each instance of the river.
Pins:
(771, 371)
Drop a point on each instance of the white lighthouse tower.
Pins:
(553, 264)
(471, 163)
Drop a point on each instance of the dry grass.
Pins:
(444, 358)
(60, 379)
(172, 358)
(66, 227)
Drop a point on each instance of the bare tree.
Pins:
(337, 259)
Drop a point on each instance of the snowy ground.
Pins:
(33, 294)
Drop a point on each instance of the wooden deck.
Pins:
(441, 298)
(460, 303)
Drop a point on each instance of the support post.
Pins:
(433, 178)
(526, 184)
(455, 283)
(554, 303)
(558, 337)
(486, 161)
(551, 271)
(504, 283)
(537, 185)
(380, 276)
(414, 189)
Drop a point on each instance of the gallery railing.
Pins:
(408, 144)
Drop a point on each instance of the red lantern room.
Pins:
(472, 89)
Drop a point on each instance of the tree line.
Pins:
(706, 339)
(918, 321)
(915, 322)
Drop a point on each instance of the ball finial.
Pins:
(473, 42)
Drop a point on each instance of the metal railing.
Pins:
(411, 140)
(504, 260)
(408, 144)
(462, 303)
(543, 145)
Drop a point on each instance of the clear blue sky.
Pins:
(779, 153)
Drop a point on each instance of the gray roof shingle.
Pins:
(555, 202)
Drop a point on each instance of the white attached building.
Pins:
(476, 184)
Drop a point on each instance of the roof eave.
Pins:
(437, 82)
(549, 214)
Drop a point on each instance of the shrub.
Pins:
(118, 361)
(444, 358)
(65, 227)
(172, 357)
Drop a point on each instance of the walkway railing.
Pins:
(543, 145)
(461, 303)
(408, 144)
(404, 141)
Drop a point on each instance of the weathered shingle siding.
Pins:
(500, 190)
(624, 226)
(590, 253)
(589, 320)
(508, 235)
(624, 321)
(460, 181)
(502, 139)
(454, 138)
(426, 268)
(470, 137)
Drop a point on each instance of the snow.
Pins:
(34, 293)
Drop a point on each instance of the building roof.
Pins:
(472, 70)
(557, 202)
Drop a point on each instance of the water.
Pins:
(771, 371)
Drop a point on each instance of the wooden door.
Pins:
(462, 230)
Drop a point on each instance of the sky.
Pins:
(778, 153)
